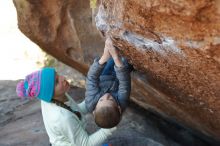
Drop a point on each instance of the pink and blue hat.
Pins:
(38, 84)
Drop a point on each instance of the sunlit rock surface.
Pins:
(173, 45)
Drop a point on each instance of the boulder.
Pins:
(174, 47)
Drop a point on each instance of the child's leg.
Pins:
(109, 68)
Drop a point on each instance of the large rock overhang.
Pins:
(173, 45)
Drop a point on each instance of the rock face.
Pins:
(173, 45)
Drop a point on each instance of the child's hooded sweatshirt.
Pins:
(97, 85)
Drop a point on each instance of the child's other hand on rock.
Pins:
(112, 50)
(114, 53)
(106, 55)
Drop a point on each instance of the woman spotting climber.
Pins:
(63, 118)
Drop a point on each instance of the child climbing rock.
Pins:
(108, 86)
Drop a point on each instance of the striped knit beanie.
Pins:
(38, 84)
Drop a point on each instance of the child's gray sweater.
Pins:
(96, 86)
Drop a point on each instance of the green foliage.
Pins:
(93, 4)
(49, 61)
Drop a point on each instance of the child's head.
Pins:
(43, 84)
(107, 112)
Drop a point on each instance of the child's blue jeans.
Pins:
(109, 67)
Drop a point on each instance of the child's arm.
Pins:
(124, 89)
(123, 75)
(92, 81)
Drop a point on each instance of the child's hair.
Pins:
(107, 116)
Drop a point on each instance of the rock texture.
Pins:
(174, 46)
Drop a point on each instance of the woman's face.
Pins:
(61, 86)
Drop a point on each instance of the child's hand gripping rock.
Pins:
(106, 55)
(114, 53)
